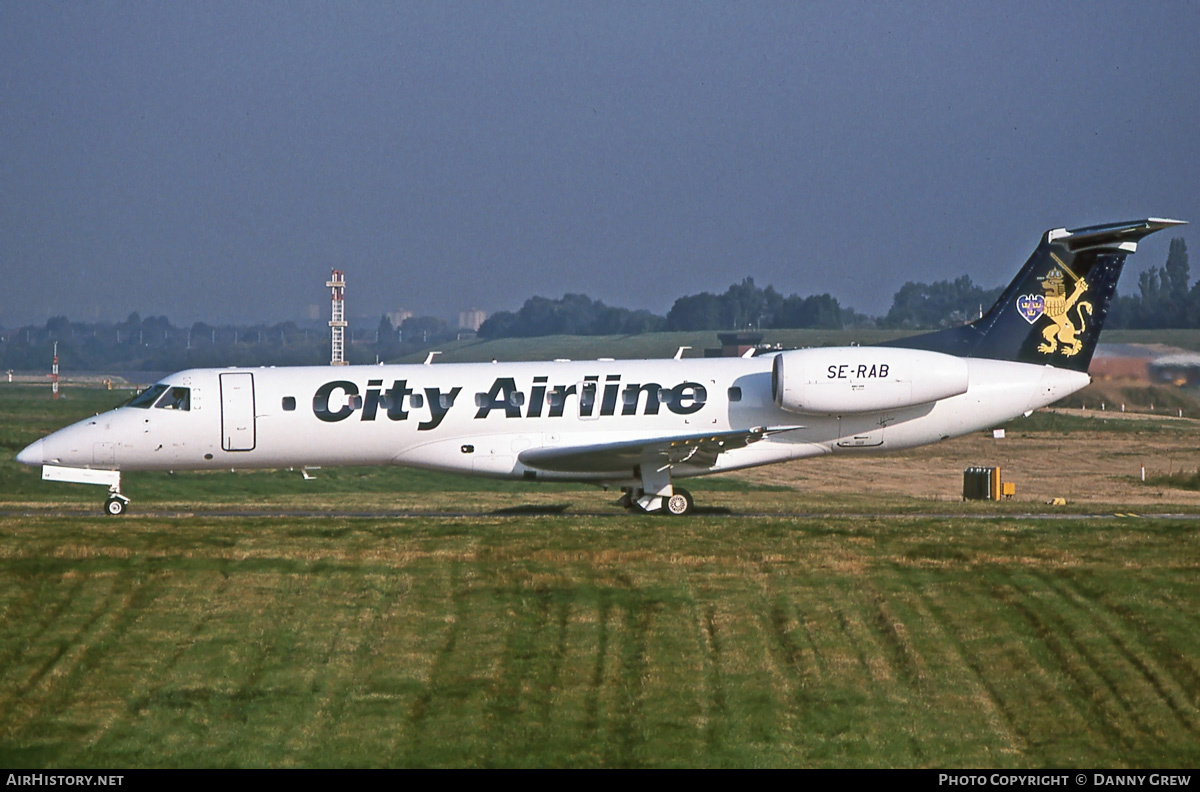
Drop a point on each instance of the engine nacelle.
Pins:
(841, 380)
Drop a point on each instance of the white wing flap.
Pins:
(700, 450)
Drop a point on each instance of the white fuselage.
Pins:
(478, 418)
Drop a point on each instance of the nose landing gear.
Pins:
(115, 505)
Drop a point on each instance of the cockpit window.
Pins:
(147, 397)
(175, 399)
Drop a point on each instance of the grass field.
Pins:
(573, 641)
(583, 638)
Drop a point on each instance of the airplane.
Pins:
(639, 425)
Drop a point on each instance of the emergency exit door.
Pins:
(237, 411)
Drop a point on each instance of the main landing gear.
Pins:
(656, 495)
(677, 504)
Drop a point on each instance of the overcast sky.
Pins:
(213, 161)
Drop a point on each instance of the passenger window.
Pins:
(735, 394)
(289, 403)
(416, 401)
(175, 399)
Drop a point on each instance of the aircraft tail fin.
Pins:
(1053, 310)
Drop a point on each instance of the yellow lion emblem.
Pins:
(1063, 331)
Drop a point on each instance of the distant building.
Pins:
(471, 319)
(1181, 369)
(735, 344)
(397, 317)
(1126, 361)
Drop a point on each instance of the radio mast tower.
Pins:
(337, 323)
(54, 374)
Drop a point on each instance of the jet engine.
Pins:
(841, 380)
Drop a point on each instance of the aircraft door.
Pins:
(237, 411)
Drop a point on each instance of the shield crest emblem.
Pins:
(1031, 306)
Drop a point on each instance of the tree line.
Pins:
(1165, 297)
(152, 343)
(743, 306)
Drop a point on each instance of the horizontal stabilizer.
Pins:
(1120, 236)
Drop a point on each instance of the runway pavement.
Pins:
(562, 511)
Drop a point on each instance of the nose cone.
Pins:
(33, 454)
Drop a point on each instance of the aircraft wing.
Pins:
(698, 449)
